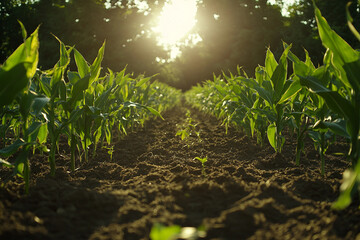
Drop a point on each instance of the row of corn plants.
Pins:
(38, 107)
(320, 102)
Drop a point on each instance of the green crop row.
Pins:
(320, 102)
(37, 107)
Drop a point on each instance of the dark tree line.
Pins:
(85, 24)
(234, 33)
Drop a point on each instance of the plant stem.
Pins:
(73, 148)
(52, 156)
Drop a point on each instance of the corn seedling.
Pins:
(188, 128)
(203, 161)
(20, 67)
(161, 232)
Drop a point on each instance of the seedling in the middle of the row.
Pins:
(188, 128)
(203, 161)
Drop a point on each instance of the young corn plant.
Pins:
(310, 114)
(299, 121)
(54, 87)
(203, 161)
(83, 97)
(273, 87)
(322, 139)
(300, 103)
(236, 104)
(162, 232)
(188, 129)
(20, 67)
(343, 99)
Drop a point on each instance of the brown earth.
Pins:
(247, 192)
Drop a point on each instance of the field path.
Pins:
(248, 192)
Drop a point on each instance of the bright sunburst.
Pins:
(176, 20)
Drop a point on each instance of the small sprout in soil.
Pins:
(110, 151)
(188, 129)
(203, 161)
(161, 232)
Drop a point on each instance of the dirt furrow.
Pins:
(246, 191)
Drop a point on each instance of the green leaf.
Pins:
(33, 131)
(73, 77)
(18, 69)
(19, 168)
(9, 90)
(101, 101)
(142, 81)
(60, 66)
(45, 85)
(75, 115)
(62, 90)
(161, 232)
(301, 68)
(259, 75)
(78, 89)
(82, 65)
(349, 21)
(153, 111)
(343, 52)
(5, 163)
(271, 134)
(270, 63)
(350, 178)
(38, 104)
(96, 66)
(264, 94)
(333, 99)
(42, 134)
(26, 101)
(25, 53)
(23, 30)
(11, 149)
(280, 74)
(338, 127)
(55, 78)
(352, 70)
(182, 133)
(202, 160)
(308, 61)
(221, 90)
(64, 54)
(293, 89)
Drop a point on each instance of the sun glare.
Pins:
(177, 18)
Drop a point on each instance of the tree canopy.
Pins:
(233, 32)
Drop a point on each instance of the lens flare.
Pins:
(175, 21)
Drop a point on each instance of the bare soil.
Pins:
(247, 191)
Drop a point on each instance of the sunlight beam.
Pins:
(176, 20)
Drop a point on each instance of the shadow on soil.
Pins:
(247, 191)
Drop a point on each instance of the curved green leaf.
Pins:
(11, 149)
(343, 52)
(333, 99)
(271, 134)
(82, 65)
(19, 68)
(293, 89)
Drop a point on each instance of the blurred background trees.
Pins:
(233, 33)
